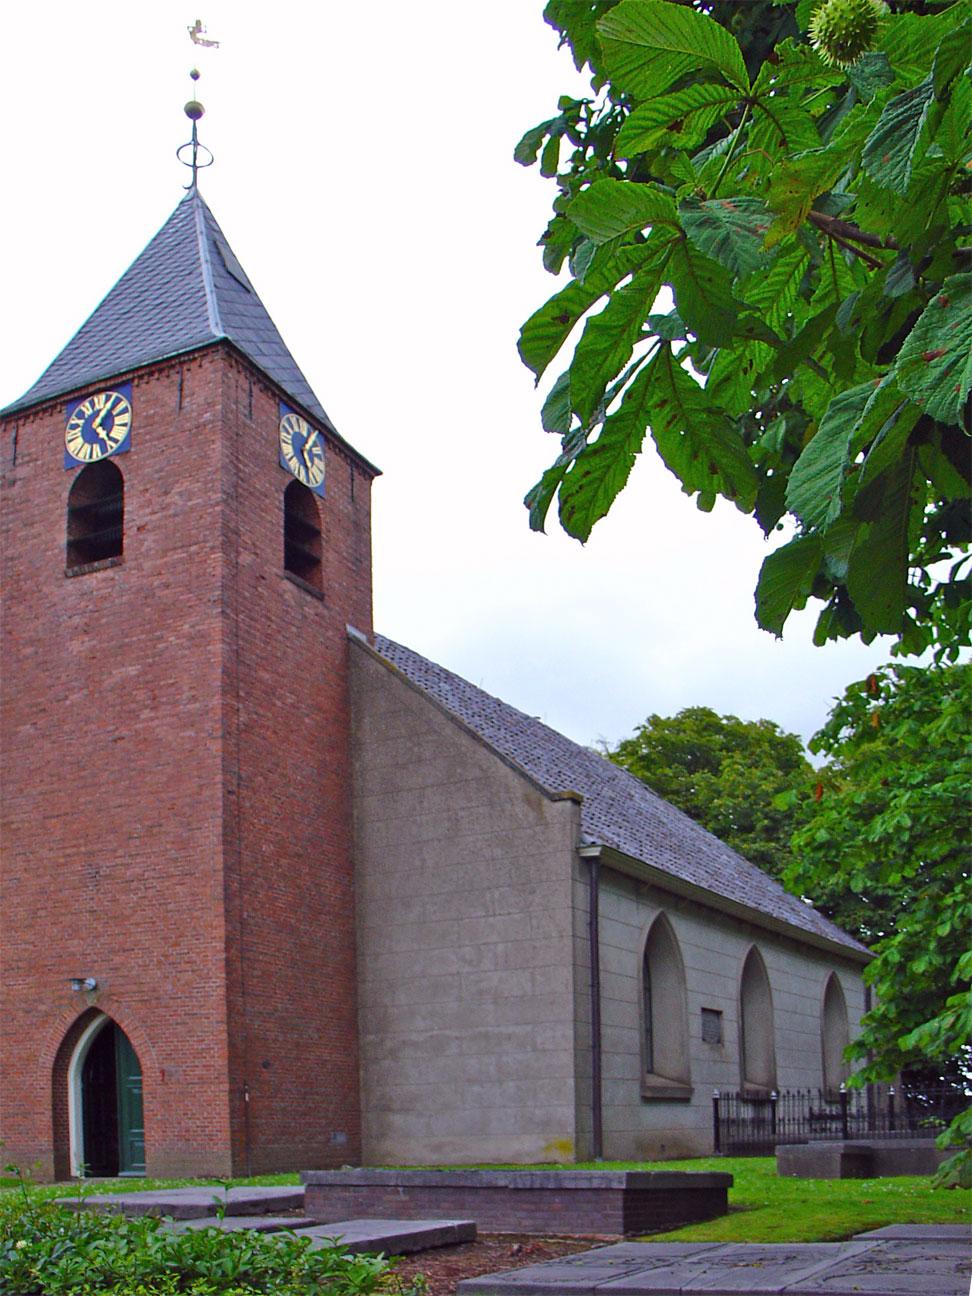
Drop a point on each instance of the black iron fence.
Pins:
(753, 1124)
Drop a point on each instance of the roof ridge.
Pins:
(199, 208)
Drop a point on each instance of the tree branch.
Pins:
(845, 232)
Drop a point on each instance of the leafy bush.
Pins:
(46, 1250)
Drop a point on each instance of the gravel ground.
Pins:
(445, 1267)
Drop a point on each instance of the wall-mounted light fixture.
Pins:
(78, 984)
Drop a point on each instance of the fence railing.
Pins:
(753, 1124)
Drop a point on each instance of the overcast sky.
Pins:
(364, 177)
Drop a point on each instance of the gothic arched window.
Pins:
(835, 1035)
(302, 535)
(757, 1041)
(95, 515)
(664, 1015)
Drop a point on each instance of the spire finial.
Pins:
(200, 155)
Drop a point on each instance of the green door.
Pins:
(131, 1125)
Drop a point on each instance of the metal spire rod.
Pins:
(200, 155)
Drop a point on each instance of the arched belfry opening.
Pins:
(302, 534)
(95, 515)
(104, 1100)
(758, 1042)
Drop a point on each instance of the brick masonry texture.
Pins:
(175, 786)
(524, 1202)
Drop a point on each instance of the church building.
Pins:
(277, 892)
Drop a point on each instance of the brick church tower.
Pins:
(185, 538)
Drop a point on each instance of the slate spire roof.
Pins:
(184, 291)
(617, 810)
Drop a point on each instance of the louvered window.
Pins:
(95, 515)
(302, 535)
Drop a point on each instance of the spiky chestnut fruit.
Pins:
(843, 30)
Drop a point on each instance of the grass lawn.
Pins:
(762, 1207)
(766, 1208)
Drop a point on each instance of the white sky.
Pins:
(364, 177)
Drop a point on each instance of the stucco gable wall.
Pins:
(713, 947)
(463, 894)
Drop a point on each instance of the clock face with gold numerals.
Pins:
(302, 450)
(98, 426)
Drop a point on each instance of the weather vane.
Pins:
(198, 155)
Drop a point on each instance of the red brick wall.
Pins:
(286, 781)
(173, 798)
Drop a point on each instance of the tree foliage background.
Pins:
(741, 779)
(887, 845)
(811, 359)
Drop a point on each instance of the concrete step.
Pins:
(389, 1236)
(246, 1223)
(193, 1203)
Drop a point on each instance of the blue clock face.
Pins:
(97, 427)
(302, 451)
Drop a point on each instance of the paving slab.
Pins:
(921, 1233)
(736, 1269)
(889, 1268)
(192, 1203)
(586, 1271)
(245, 1223)
(874, 1267)
(390, 1236)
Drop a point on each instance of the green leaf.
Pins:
(547, 329)
(796, 182)
(610, 208)
(550, 157)
(900, 278)
(910, 40)
(934, 365)
(648, 31)
(896, 418)
(870, 74)
(556, 413)
(670, 327)
(703, 295)
(684, 118)
(891, 148)
(539, 497)
(608, 340)
(813, 492)
(526, 151)
(729, 230)
(602, 469)
(877, 570)
(951, 58)
(697, 442)
(785, 581)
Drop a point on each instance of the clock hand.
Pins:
(99, 419)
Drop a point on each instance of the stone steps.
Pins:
(263, 1210)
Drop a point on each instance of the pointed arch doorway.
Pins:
(105, 1103)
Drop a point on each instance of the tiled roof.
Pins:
(617, 810)
(185, 290)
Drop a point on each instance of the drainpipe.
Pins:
(593, 936)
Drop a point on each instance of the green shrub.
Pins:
(46, 1250)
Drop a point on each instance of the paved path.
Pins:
(895, 1261)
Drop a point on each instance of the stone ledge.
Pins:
(561, 1180)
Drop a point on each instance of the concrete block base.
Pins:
(523, 1201)
(859, 1159)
